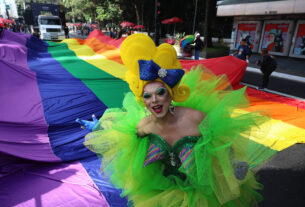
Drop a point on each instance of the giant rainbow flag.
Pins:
(45, 86)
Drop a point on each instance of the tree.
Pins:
(76, 8)
(132, 10)
(109, 11)
(210, 15)
(95, 10)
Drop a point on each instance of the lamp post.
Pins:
(157, 25)
(194, 23)
(7, 7)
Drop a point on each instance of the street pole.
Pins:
(195, 17)
(142, 14)
(156, 24)
(6, 10)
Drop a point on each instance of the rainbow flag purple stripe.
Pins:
(44, 87)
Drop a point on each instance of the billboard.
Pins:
(277, 37)
(248, 32)
(298, 48)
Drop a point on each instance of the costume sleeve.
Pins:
(123, 152)
(226, 132)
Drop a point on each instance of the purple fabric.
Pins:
(49, 185)
(23, 129)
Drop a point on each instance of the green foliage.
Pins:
(77, 8)
(105, 11)
(109, 10)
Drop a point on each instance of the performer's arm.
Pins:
(89, 125)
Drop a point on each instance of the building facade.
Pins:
(278, 25)
(8, 9)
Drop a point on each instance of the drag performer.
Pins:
(180, 138)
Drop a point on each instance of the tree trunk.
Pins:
(207, 24)
(93, 15)
(137, 9)
(93, 10)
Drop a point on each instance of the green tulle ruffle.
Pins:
(210, 181)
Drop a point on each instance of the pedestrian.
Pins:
(128, 33)
(66, 32)
(36, 34)
(198, 45)
(119, 33)
(82, 30)
(1, 28)
(111, 33)
(243, 52)
(268, 65)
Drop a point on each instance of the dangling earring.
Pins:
(147, 112)
(172, 109)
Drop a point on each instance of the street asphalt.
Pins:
(287, 80)
(279, 83)
(283, 178)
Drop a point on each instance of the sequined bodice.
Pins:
(181, 153)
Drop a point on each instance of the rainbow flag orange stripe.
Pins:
(288, 115)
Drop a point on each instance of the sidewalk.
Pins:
(280, 83)
(288, 80)
(287, 65)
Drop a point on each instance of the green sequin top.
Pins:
(173, 157)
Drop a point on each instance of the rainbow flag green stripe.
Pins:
(108, 88)
(287, 123)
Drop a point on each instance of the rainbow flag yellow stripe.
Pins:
(287, 124)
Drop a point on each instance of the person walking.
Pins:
(243, 52)
(119, 33)
(198, 45)
(268, 65)
(66, 29)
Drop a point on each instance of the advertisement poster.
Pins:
(299, 46)
(246, 31)
(275, 37)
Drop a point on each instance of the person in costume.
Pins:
(180, 138)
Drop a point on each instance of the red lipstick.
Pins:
(157, 108)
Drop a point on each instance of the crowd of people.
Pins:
(14, 27)
(117, 33)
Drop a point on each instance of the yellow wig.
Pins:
(141, 47)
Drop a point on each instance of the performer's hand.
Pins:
(89, 125)
(240, 170)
